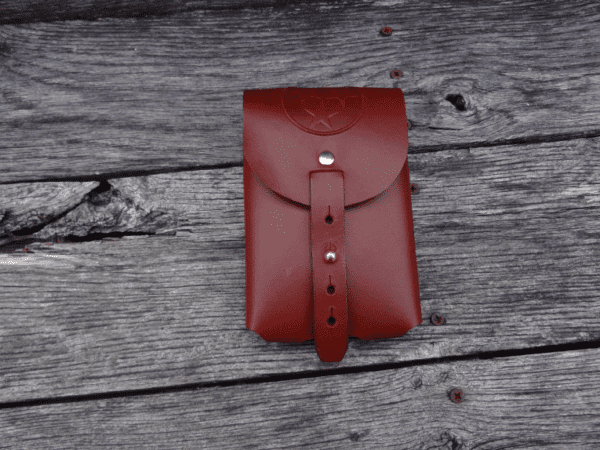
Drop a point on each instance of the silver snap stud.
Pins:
(330, 257)
(326, 158)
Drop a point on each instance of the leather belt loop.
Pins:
(329, 264)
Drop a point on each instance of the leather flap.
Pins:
(286, 129)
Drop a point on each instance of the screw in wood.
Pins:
(456, 395)
(436, 319)
(395, 74)
(414, 188)
(386, 31)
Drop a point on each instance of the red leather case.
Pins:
(330, 249)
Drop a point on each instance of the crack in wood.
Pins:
(68, 212)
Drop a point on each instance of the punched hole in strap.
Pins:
(330, 289)
(331, 320)
(329, 219)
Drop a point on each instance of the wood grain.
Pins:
(507, 248)
(84, 99)
(548, 401)
(67, 211)
(26, 11)
(28, 207)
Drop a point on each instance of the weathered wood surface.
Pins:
(116, 96)
(507, 242)
(544, 401)
(25, 11)
(506, 227)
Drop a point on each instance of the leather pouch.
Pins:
(330, 249)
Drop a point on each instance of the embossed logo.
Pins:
(323, 111)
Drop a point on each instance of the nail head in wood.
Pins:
(436, 319)
(456, 395)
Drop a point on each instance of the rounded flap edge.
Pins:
(371, 151)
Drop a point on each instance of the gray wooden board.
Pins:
(507, 250)
(26, 11)
(119, 95)
(546, 401)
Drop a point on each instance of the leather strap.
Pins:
(329, 277)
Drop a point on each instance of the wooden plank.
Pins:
(547, 401)
(81, 99)
(26, 11)
(507, 250)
